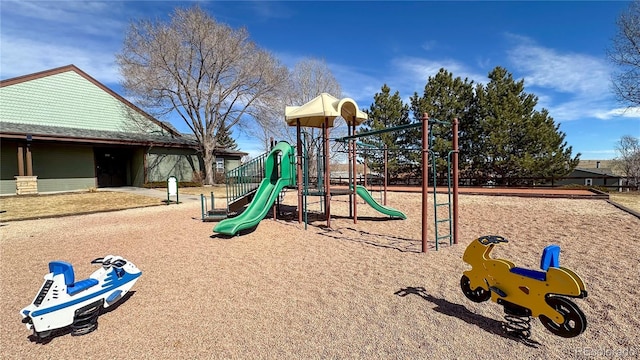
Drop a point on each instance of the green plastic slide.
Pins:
(366, 196)
(267, 192)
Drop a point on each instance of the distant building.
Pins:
(604, 165)
(592, 177)
(62, 130)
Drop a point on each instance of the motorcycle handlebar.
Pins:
(119, 263)
(492, 239)
(107, 262)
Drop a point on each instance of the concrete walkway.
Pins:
(160, 194)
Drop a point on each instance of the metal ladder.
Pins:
(437, 205)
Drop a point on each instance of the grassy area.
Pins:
(630, 199)
(40, 206)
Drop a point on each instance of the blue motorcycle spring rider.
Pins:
(62, 301)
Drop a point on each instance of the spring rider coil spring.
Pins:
(517, 321)
(86, 319)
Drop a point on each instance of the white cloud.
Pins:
(58, 11)
(572, 86)
(484, 62)
(574, 108)
(267, 10)
(630, 112)
(582, 108)
(356, 83)
(78, 18)
(25, 56)
(406, 75)
(418, 70)
(38, 36)
(569, 73)
(410, 74)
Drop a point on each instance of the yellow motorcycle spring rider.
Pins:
(525, 293)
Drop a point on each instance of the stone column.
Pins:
(26, 185)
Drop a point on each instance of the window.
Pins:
(588, 182)
(219, 165)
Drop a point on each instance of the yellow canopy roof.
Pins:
(313, 113)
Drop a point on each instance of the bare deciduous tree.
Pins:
(206, 72)
(629, 160)
(309, 78)
(625, 53)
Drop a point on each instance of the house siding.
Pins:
(577, 177)
(58, 167)
(62, 161)
(231, 164)
(62, 167)
(8, 161)
(137, 167)
(69, 100)
(163, 163)
(65, 184)
(8, 187)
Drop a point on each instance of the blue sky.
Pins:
(558, 48)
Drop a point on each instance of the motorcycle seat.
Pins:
(81, 285)
(550, 258)
(66, 269)
(533, 274)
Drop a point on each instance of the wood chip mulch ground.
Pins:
(353, 291)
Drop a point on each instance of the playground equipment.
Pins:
(525, 293)
(212, 214)
(366, 196)
(62, 301)
(427, 151)
(451, 159)
(321, 112)
(242, 183)
(318, 189)
(280, 172)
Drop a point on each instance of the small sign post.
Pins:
(172, 189)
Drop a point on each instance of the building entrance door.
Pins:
(111, 166)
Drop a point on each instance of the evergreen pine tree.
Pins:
(444, 99)
(387, 111)
(517, 140)
(224, 139)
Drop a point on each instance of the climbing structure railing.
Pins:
(245, 179)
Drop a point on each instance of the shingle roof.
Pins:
(598, 171)
(45, 132)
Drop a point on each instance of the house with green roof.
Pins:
(62, 130)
